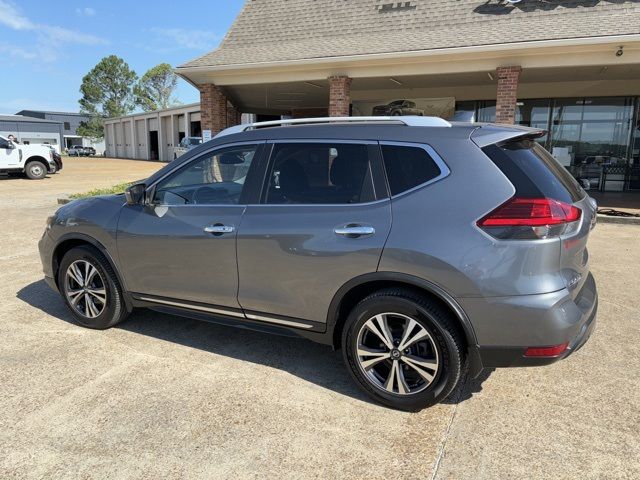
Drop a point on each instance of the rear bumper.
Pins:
(505, 327)
(497, 357)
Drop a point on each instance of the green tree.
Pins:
(107, 91)
(155, 89)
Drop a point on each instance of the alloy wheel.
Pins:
(36, 170)
(397, 354)
(85, 289)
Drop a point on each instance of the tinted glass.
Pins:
(319, 173)
(534, 172)
(408, 167)
(212, 179)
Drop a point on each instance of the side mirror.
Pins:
(135, 194)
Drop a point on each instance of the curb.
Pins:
(618, 220)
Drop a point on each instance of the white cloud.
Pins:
(49, 37)
(189, 39)
(85, 12)
(16, 52)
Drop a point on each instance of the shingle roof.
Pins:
(286, 30)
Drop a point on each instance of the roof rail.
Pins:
(408, 120)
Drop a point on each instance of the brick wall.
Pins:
(216, 112)
(339, 96)
(507, 94)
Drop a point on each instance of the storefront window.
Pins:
(465, 112)
(634, 155)
(486, 111)
(534, 113)
(589, 135)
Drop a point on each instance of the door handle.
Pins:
(354, 231)
(218, 229)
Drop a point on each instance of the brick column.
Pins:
(233, 116)
(213, 108)
(507, 95)
(339, 96)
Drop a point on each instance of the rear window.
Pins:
(534, 172)
(407, 167)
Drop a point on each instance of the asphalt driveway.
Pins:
(165, 397)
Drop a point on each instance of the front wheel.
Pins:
(91, 288)
(36, 170)
(403, 350)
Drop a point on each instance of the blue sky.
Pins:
(47, 47)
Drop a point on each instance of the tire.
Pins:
(36, 170)
(440, 350)
(396, 113)
(53, 169)
(105, 307)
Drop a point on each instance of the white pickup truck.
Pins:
(35, 161)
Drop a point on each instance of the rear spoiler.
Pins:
(491, 134)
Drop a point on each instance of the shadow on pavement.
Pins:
(300, 357)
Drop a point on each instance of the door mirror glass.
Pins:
(135, 194)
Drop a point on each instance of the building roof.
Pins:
(290, 30)
(21, 118)
(49, 112)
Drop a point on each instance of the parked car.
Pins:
(77, 151)
(397, 108)
(186, 144)
(413, 245)
(89, 151)
(34, 161)
(57, 160)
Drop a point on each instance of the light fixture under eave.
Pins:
(397, 82)
(313, 84)
(490, 76)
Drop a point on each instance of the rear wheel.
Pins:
(36, 170)
(403, 350)
(91, 289)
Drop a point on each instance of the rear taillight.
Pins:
(549, 352)
(531, 218)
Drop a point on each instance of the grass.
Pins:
(119, 188)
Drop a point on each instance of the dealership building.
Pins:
(571, 67)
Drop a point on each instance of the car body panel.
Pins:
(291, 262)
(164, 251)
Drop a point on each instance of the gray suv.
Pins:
(416, 246)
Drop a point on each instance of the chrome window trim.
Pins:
(444, 168)
(322, 140)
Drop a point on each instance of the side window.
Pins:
(319, 173)
(212, 179)
(408, 167)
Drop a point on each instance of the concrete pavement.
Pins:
(161, 396)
